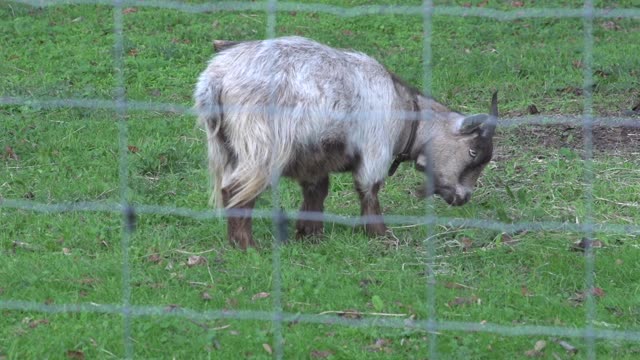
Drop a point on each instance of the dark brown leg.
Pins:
(314, 195)
(239, 228)
(370, 206)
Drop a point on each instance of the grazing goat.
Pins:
(296, 108)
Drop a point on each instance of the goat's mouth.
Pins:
(447, 193)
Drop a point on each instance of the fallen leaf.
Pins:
(66, 251)
(260, 295)
(196, 260)
(154, 258)
(452, 285)
(507, 239)
(171, 307)
(585, 243)
(619, 262)
(380, 345)
(133, 52)
(129, 10)
(483, 4)
(597, 292)
(267, 348)
(35, 323)
(540, 345)
(205, 296)
(459, 301)
(610, 25)
(321, 354)
(578, 298)
(517, 3)
(133, 149)
(525, 291)
(350, 314)
(567, 347)
(467, 243)
(9, 153)
(347, 32)
(75, 354)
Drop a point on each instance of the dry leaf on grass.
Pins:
(154, 258)
(525, 291)
(578, 298)
(467, 243)
(570, 349)
(171, 307)
(321, 354)
(129, 10)
(537, 349)
(350, 314)
(133, 149)
(35, 323)
(9, 153)
(75, 354)
(205, 296)
(460, 301)
(452, 285)
(196, 260)
(585, 243)
(267, 348)
(380, 345)
(260, 295)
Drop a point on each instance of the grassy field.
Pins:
(177, 263)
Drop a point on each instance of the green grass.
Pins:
(72, 155)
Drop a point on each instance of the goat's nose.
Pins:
(466, 197)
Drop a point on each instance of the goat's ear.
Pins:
(481, 124)
(472, 124)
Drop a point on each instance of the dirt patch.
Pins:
(617, 140)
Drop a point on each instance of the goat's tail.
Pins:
(209, 110)
(241, 152)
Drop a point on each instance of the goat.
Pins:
(293, 107)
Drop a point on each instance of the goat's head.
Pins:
(456, 152)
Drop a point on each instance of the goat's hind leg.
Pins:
(239, 229)
(314, 194)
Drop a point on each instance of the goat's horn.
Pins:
(494, 104)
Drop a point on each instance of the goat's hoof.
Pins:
(311, 230)
(242, 242)
(375, 230)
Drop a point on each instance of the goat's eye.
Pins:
(472, 153)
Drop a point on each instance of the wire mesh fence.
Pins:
(121, 105)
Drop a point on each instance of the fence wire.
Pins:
(277, 316)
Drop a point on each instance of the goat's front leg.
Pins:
(314, 194)
(370, 207)
(239, 226)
